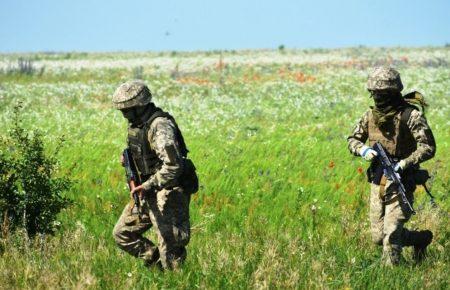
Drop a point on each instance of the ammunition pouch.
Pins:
(189, 178)
(414, 176)
(421, 176)
(374, 172)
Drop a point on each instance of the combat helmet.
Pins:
(384, 78)
(131, 94)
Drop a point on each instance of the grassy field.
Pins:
(282, 202)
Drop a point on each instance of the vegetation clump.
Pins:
(30, 185)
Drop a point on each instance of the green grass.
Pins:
(282, 202)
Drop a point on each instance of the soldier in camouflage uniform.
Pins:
(158, 151)
(409, 141)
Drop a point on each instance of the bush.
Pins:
(30, 192)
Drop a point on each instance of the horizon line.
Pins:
(281, 47)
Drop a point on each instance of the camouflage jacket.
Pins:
(418, 127)
(162, 139)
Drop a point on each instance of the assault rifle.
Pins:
(388, 168)
(133, 179)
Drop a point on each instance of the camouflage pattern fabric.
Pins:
(419, 128)
(387, 214)
(165, 206)
(384, 78)
(131, 94)
(163, 141)
(167, 212)
(387, 219)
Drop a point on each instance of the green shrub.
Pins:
(30, 190)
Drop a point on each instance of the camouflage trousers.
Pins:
(388, 215)
(167, 212)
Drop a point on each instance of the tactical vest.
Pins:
(396, 138)
(145, 158)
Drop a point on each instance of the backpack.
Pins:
(416, 101)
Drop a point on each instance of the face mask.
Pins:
(129, 114)
(134, 115)
(382, 99)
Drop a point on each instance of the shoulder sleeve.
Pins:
(421, 131)
(162, 139)
(359, 135)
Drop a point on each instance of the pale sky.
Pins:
(139, 25)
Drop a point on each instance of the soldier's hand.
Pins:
(400, 166)
(122, 160)
(139, 189)
(368, 153)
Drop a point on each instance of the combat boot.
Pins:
(152, 259)
(392, 255)
(422, 240)
(152, 265)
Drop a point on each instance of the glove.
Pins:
(400, 166)
(368, 153)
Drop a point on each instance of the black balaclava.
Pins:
(387, 104)
(137, 116)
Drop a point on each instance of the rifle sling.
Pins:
(382, 192)
(382, 188)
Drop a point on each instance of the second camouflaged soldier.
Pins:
(404, 133)
(159, 153)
